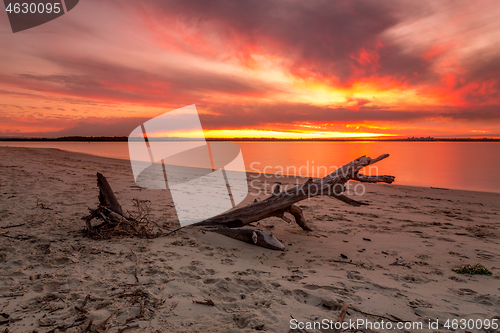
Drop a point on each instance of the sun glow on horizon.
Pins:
(267, 134)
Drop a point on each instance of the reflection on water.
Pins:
(458, 165)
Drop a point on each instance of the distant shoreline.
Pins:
(125, 139)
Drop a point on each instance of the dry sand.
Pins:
(401, 251)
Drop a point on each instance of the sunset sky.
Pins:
(290, 68)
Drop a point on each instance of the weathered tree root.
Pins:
(114, 221)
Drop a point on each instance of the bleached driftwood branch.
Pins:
(232, 224)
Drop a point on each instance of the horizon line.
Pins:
(125, 138)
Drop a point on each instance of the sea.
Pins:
(470, 166)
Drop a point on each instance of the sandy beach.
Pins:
(393, 259)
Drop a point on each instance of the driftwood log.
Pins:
(232, 224)
(115, 222)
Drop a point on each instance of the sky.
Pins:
(282, 69)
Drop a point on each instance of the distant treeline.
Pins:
(125, 139)
(71, 138)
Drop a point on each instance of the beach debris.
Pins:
(458, 254)
(88, 328)
(207, 302)
(367, 239)
(18, 237)
(105, 321)
(476, 269)
(116, 222)
(39, 204)
(350, 262)
(419, 303)
(344, 256)
(8, 319)
(340, 319)
(401, 262)
(174, 305)
(249, 235)
(394, 317)
(82, 307)
(13, 226)
(136, 263)
(379, 316)
(343, 312)
(147, 303)
(354, 275)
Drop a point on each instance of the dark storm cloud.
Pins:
(320, 37)
(283, 113)
(260, 115)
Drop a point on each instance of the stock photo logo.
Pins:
(25, 15)
(204, 179)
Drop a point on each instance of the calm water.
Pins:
(457, 165)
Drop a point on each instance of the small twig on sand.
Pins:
(105, 321)
(13, 226)
(171, 232)
(136, 264)
(141, 312)
(343, 262)
(341, 317)
(174, 305)
(208, 302)
(137, 284)
(393, 316)
(87, 329)
(358, 264)
(81, 308)
(342, 313)
(18, 237)
(5, 305)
